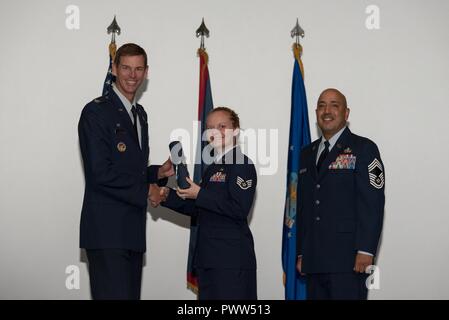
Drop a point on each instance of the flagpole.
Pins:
(297, 32)
(202, 32)
(299, 136)
(205, 104)
(113, 29)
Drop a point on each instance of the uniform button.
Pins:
(317, 202)
(317, 218)
(318, 186)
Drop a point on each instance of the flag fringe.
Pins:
(203, 54)
(297, 52)
(112, 50)
(192, 287)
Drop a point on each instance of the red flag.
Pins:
(205, 105)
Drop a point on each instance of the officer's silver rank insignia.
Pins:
(121, 147)
(376, 174)
(244, 184)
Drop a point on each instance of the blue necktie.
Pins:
(134, 111)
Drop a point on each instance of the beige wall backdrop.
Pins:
(395, 78)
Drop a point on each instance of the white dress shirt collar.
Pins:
(333, 140)
(128, 105)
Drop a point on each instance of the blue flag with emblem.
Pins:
(295, 288)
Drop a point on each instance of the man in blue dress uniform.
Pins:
(113, 136)
(340, 212)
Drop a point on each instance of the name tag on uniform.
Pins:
(218, 177)
(344, 161)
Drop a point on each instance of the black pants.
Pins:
(115, 274)
(336, 286)
(227, 284)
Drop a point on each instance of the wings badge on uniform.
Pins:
(244, 184)
(376, 174)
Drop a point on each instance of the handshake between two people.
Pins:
(157, 194)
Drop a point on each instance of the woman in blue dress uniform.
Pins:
(224, 257)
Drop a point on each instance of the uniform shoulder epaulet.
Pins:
(101, 99)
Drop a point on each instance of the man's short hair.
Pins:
(130, 49)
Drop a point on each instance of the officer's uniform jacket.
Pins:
(117, 177)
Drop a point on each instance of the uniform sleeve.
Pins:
(370, 199)
(237, 201)
(174, 202)
(101, 171)
(152, 176)
(299, 232)
(152, 173)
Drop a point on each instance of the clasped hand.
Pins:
(157, 194)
